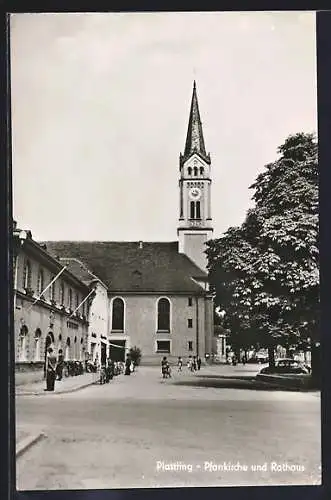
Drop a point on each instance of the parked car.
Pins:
(286, 365)
(258, 358)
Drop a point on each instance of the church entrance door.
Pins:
(117, 350)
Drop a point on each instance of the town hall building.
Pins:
(158, 296)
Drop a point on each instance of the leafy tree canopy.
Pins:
(265, 273)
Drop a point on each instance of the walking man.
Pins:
(199, 363)
(50, 369)
(180, 363)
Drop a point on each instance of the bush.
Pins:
(135, 355)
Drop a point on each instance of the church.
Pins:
(158, 295)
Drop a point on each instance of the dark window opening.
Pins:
(192, 210)
(201, 170)
(118, 315)
(190, 345)
(190, 323)
(190, 301)
(198, 214)
(163, 315)
(163, 346)
(70, 298)
(195, 170)
(189, 171)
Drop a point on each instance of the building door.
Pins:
(117, 350)
(103, 353)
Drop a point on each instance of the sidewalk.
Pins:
(67, 384)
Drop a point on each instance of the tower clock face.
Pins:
(195, 193)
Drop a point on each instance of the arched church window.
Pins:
(192, 210)
(195, 171)
(118, 314)
(202, 170)
(189, 171)
(163, 315)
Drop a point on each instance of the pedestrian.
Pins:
(244, 359)
(164, 367)
(127, 365)
(199, 363)
(180, 364)
(194, 363)
(50, 369)
(60, 365)
(190, 363)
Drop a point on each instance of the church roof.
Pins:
(194, 140)
(78, 268)
(144, 267)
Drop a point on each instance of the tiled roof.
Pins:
(134, 266)
(76, 267)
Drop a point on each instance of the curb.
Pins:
(26, 443)
(45, 393)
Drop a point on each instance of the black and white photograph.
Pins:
(165, 236)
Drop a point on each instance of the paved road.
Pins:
(142, 431)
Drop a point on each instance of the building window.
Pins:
(163, 315)
(190, 301)
(118, 315)
(27, 275)
(201, 170)
(195, 171)
(189, 171)
(190, 323)
(163, 346)
(192, 209)
(62, 294)
(70, 298)
(22, 343)
(67, 350)
(40, 281)
(37, 337)
(190, 345)
(52, 289)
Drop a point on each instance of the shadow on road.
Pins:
(222, 382)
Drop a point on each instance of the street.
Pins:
(142, 431)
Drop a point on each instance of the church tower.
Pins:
(195, 222)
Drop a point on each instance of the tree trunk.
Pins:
(271, 355)
(316, 364)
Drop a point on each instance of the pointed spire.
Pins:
(194, 140)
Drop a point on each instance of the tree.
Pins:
(265, 273)
(135, 355)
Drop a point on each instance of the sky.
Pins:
(100, 107)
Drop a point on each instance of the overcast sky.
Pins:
(100, 106)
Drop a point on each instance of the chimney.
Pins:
(140, 244)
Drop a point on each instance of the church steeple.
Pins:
(195, 221)
(194, 140)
